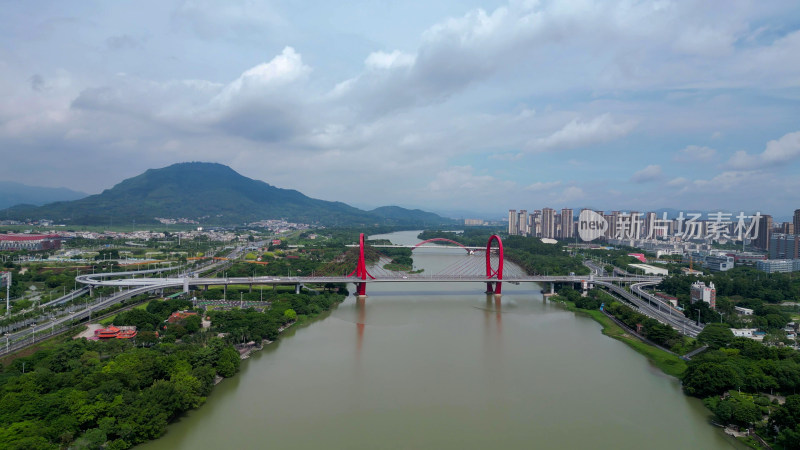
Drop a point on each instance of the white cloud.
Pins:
(396, 59)
(579, 133)
(779, 151)
(678, 182)
(572, 194)
(695, 153)
(485, 87)
(648, 174)
(460, 178)
(542, 186)
(283, 69)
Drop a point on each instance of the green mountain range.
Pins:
(213, 194)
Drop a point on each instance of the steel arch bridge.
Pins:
(441, 240)
(494, 276)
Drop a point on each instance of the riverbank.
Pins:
(668, 363)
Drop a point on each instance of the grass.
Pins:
(668, 363)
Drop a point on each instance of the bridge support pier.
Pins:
(494, 287)
(251, 288)
(91, 290)
(361, 290)
(297, 288)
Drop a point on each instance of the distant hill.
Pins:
(16, 193)
(213, 194)
(396, 213)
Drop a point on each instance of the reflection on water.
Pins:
(415, 368)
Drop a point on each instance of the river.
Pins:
(427, 365)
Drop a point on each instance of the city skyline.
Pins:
(547, 222)
(444, 107)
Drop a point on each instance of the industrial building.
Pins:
(31, 242)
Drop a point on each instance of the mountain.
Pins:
(213, 194)
(396, 213)
(15, 193)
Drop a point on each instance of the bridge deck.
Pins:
(164, 282)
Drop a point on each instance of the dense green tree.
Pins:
(139, 318)
(705, 379)
(228, 362)
(746, 413)
(716, 335)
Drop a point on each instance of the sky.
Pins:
(461, 107)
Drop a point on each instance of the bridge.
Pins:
(488, 270)
(470, 250)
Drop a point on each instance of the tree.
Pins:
(716, 335)
(146, 338)
(746, 413)
(290, 315)
(228, 363)
(710, 378)
(192, 323)
(724, 411)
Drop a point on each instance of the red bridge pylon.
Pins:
(494, 287)
(361, 269)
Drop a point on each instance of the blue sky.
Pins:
(446, 106)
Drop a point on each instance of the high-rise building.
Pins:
(648, 230)
(785, 228)
(636, 225)
(784, 246)
(613, 224)
(566, 223)
(609, 218)
(764, 232)
(536, 223)
(523, 223)
(797, 221)
(701, 292)
(513, 224)
(548, 223)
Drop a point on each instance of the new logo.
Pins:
(591, 225)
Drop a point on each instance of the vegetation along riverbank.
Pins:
(117, 393)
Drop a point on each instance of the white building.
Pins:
(750, 333)
(650, 270)
(700, 292)
(719, 263)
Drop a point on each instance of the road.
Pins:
(23, 338)
(653, 307)
(646, 303)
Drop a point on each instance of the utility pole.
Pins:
(8, 292)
